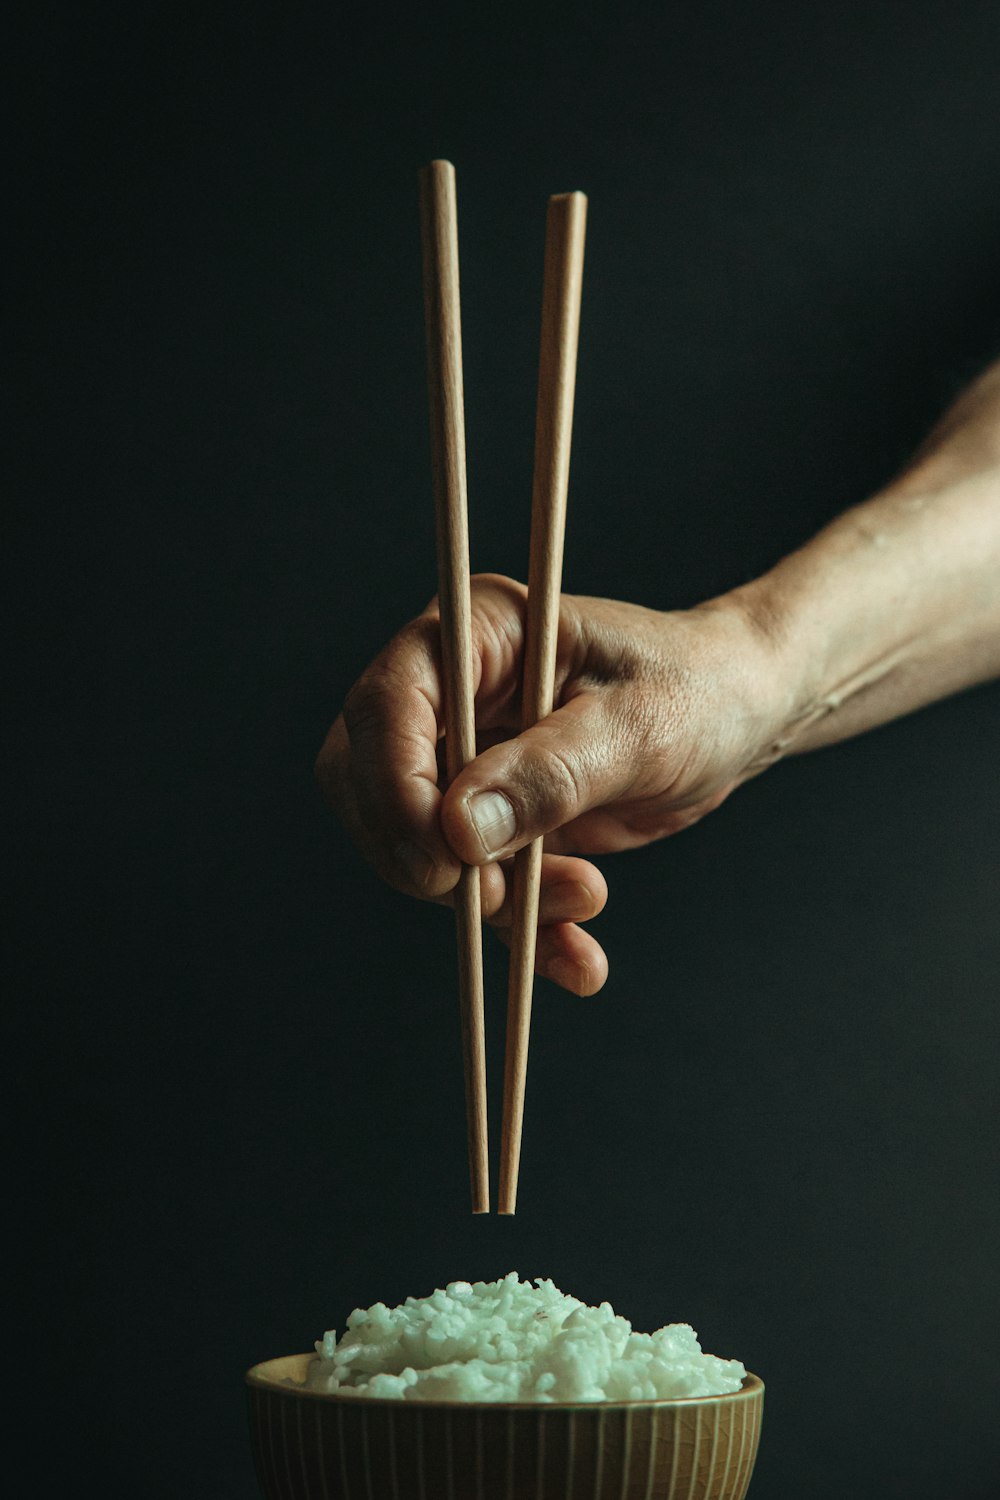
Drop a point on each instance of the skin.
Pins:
(661, 715)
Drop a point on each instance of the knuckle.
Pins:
(358, 705)
(418, 636)
(392, 674)
(554, 783)
(497, 601)
(368, 700)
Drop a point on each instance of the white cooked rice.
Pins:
(509, 1340)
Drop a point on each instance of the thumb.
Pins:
(580, 757)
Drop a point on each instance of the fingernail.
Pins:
(418, 866)
(493, 819)
(565, 973)
(569, 901)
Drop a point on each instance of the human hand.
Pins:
(658, 717)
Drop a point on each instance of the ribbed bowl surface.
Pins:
(311, 1446)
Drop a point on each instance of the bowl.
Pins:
(312, 1445)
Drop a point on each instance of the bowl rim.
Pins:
(256, 1378)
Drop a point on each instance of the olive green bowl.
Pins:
(309, 1445)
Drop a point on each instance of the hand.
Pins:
(658, 717)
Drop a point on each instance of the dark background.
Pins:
(243, 1110)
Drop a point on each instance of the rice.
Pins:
(512, 1340)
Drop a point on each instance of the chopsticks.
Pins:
(562, 283)
(563, 278)
(439, 235)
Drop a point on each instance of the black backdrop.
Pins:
(243, 1112)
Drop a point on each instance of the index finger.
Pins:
(378, 766)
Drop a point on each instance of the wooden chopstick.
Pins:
(439, 235)
(564, 237)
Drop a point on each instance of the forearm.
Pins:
(897, 602)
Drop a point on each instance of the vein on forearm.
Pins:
(893, 605)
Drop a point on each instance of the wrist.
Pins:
(767, 668)
(822, 646)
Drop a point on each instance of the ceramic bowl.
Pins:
(309, 1445)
